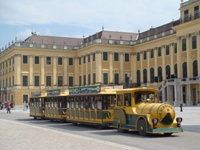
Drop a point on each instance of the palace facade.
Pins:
(166, 58)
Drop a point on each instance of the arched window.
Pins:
(145, 75)
(195, 68)
(168, 73)
(175, 71)
(159, 74)
(152, 75)
(184, 68)
(138, 77)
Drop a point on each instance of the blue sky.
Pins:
(75, 18)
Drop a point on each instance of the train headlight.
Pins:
(179, 119)
(154, 121)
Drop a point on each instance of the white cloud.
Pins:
(124, 15)
(24, 34)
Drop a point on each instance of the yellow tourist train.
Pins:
(134, 109)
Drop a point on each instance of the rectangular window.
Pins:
(48, 80)
(186, 15)
(60, 80)
(25, 81)
(184, 45)
(37, 59)
(159, 51)
(116, 57)
(94, 78)
(152, 53)
(59, 60)
(37, 81)
(93, 56)
(194, 42)
(105, 78)
(25, 60)
(71, 82)
(196, 12)
(13, 80)
(127, 99)
(119, 99)
(89, 82)
(25, 98)
(175, 48)
(145, 55)
(167, 50)
(48, 60)
(80, 80)
(105, 56)
(116, 77)
(84, 80)
(70, 61)
(126, 57)
(138, 56)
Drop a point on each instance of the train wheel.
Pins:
(75, 123)
(168, 134)
(119, 129)
(141, 127)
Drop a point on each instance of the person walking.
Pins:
(181, 107)
(8, 107)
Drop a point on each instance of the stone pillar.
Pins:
(111, 75)
(188, 98)
(65, 71)
(76, 72)
(18, 75)
(31, 76)
(121, 60)
(91, 69)
(98, 56)
(179, 50)
(171, 49)
(133, 67)
(86, 70)
(148, 65)
(178, 93)
(189, 68)
(156, 62)
(163, 62)
(54, 72)
(43, 72)
(141, 68)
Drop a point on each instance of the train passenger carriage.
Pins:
(137, 110)
(55, 106)
(91, 105)
(37, 103)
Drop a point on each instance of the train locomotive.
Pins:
(142, 113)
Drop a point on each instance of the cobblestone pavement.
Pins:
(18, 136)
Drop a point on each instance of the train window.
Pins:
(99, 103)
(119, 99)
(143, 96)
(127, 99)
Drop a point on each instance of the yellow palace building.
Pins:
(166, 58)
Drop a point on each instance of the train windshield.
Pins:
(144, 96)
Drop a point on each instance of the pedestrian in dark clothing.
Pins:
(181, 107)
